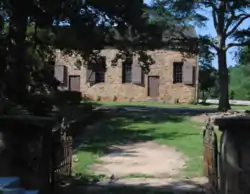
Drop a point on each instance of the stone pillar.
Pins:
(234, 165)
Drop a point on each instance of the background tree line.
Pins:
(239, 78)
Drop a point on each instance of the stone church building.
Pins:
(172, 78)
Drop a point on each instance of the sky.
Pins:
(209, 30)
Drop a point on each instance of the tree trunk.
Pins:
(16, 75)
(222, 60)
(223, 81)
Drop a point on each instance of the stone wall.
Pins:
(113, 86)
(234, 157)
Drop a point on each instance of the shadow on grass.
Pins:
(182, 186)
(123, 127)
(187, 111)
(117, 127)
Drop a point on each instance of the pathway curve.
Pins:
(147, 164)
(141, 159)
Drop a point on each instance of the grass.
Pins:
(162, 105)
(131, 176)
(176, 131)
(124, 127)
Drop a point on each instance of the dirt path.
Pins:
(146, 164)
(147, 158)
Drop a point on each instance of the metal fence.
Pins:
(40, 150)
(61, 156)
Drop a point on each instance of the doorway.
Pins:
(75, 83)
(153, 86)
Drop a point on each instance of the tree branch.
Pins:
(215, 19)
(232, 16)
(230, 45)
(213, 46)
(206, 40)
(211, 4)
(241, 18)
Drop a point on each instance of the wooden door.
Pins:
(74, 83)
(153, 86)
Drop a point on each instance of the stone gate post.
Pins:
(234, 158)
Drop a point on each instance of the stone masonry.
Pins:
(113, 86)
(233, 158)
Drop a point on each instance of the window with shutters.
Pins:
(127, 70)
(100, 70)
(61, 74)
(177, 72)
(90, 76)
(96, 72)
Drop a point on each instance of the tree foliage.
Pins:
(244, 56)
(208, 82)
(240, 76)
(30, 35)
(240, 82)
(207, 77)
(227, 17)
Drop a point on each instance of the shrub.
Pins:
(232, 95)
(68, 97)
(40, 104)
(176, 101)
(192, 101)
(98, 98)
(114, 98)
(85, 98)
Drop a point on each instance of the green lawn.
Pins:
(176, 131)
(162, 105)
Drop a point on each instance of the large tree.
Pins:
(89, 21)
(83, 17)
(227, 17)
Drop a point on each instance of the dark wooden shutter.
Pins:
(136, 72)
(59, 73)
(90, 76)
(194, 75)
(187, 73)
(65, 76)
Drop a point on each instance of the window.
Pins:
(61, 74)
(177, 72)
(99, 77)
(96, 71)
(127, 70)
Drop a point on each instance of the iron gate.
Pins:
(61, 155)
(210, 156)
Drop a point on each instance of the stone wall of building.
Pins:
(113, 86)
